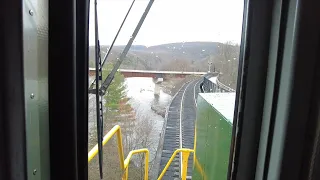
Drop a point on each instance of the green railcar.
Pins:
(213, 133)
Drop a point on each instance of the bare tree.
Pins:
(177, 65)
(138, 134)
(226, 62)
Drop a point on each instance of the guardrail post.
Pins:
(120, 148)
(125, 174)
(185, 156)
(146, 158)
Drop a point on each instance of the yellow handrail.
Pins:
(185, 155)
(94, 151)
(127, 161)
(124, 164)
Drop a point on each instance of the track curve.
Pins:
(179, 130)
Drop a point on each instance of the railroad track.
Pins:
(179, 132)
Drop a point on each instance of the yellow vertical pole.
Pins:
(185, 156)
(123, 176)
(146, 166)
(120, 149)
(127, 173)
(195, 144)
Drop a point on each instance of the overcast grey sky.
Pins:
(169, 21)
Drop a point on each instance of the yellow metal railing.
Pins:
(124, 164)
(127, 161)
(184, 168)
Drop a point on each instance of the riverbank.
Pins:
(172, 85)
(169, 86)
(160, 110)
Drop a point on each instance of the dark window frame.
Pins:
(13, 160)
(68, 89)
(279, 51)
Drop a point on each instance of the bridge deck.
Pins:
(157, 72)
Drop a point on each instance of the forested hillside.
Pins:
(183, 56)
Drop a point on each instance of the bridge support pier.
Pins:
(157, 82)
(157, 89)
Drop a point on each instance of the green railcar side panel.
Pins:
(213, 135)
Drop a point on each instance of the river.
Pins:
(140, 90)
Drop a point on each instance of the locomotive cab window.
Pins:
(159, 89)
(174, 66)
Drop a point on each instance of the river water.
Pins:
(141, 94)
(140, 90)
